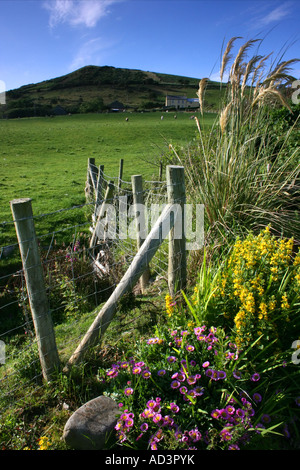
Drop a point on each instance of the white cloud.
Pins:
(277, 14)
(77, 12)
(274, 15)
(92, 52)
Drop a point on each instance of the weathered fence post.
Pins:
(108, 197)
(177, 242)
(120, 174)
(98, 190)
(33, 271)
(141, 222)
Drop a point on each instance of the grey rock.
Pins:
(89, 427)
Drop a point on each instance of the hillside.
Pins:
(94, 89)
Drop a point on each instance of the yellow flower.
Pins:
(169, 305)
(284, 302)
(44, 443)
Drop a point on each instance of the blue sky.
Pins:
(43, 39)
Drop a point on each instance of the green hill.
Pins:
(95, 89)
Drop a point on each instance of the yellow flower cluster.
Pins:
(250, 289)
(44, 443)
(195, 296)
(169, 305)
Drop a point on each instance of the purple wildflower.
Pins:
(175, 384)
(146, 374)
(257, 397)
(255, 377)
(171, 359)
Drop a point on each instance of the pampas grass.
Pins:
(240, 171)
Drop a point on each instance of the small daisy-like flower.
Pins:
(230, 409)
(161, 372)
(175, 384)
(195, 435)
(233, 447)
(151, 403)
(265, 419)
(157, 418)
(171, 359)
(240, 413)
(136, 370)
(237, 374)
(221, 374)
(215, 413)
(297, 401)
(189, 347)
(257, 397)
(223, 413)
(205, 364)
(174, 407)
(225, 435)
(255, 377)
(144, 427)
(128, 391)
(146, 374)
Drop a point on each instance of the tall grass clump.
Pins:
(244, 171)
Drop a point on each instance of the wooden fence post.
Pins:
(98, 190)
(108, 197)
(120, 174)
(177, 242)
(141, 222)
(33, 271)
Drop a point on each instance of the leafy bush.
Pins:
(208, 378)
(257, 293)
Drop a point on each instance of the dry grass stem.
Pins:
(200, 93)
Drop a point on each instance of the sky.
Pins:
(44, 39)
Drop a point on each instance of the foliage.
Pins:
(258, 292)
(245, 171)
(192, 386)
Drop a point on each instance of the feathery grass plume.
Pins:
(200, 92)
(227, 56)
(269, 92)
(235, 71)
(224, 115)
(249, 69)
(259, 68)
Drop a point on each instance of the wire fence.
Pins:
(79, 275)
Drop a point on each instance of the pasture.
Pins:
(45, 158)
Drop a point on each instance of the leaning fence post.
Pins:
(33, 271)
(98, 190)
(177, 242)
(108, 198)
(141, 223)
(120, 174)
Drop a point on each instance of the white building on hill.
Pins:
(181, 102)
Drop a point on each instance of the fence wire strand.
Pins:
(78, 280)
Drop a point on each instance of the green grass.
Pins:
(46, 158)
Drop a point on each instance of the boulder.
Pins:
(89, 427)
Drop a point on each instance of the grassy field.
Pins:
(46, 158)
